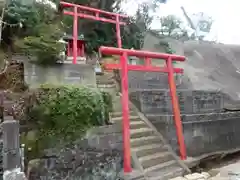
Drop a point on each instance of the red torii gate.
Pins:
(99, 15)
(125, 67)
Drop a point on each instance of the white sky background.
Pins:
(226, 14)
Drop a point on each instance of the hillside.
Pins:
(208, 66)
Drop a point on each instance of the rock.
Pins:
(14, 174)
(179, 178)
(78, 163)
(194, 176)
(206, 175)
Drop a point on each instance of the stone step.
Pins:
(145, 140)
(140, 130)
(146, 132)
(131, 118)
(117, 114)
(117, 107)
(160, 166)
(155, 155)
(155, 159)
(166, 174)
(145, 150)
(134, 175)
(137, 124)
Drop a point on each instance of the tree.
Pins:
(135, 30)
(171, 26)
(44, 45)
(34, 17)
(23, 20)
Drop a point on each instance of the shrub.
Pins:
(65, 113)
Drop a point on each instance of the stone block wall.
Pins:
(97, 156)
(35, 75)
(154, 80)
(105, 137)
(204, 133)
(207, 127)
(191, 102)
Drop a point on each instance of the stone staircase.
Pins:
(150, 153)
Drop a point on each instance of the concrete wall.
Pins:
(158, 102)
(203, 133)
(207, 127)
(36, 75)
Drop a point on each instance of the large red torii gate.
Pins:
(125, 67)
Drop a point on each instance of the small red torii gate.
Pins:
(125, 67)
(99, 15)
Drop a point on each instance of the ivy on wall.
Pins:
(167, 48)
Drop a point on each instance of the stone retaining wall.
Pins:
(203, 133)
(35, 75)
(191, 102)
(97, 156)
(105, 137)
(207, 127)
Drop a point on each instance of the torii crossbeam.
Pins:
(125, 67)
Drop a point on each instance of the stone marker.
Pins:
(11, 145)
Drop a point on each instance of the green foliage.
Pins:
(167, 48)
(134, 32)
(23, 20)
(44, 45)
(64, 113)
(172, 26)
(35, 15)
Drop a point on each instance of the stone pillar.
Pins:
(11, 145)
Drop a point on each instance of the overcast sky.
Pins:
(226, 26)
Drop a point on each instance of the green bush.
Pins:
(65, 113)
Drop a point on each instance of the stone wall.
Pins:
(158, 102)
(152, 80)
(207, 127)
(36, 75)
(105, 137)
(203, 133)
(97, 156)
